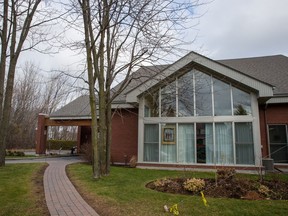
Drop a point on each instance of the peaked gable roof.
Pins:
(257, 72)
(264, 89)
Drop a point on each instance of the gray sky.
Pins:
(243, 28)
(227, 29)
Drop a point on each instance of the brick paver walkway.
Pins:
(61, 196)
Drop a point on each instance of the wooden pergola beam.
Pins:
(76, 122)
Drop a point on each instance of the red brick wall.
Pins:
(124, 135)
(271, 114)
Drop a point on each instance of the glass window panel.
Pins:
(168, 148)
(151, 142)
(224, 143)
(222, 98)
(186, 144)
(168, 100)
(244, 143)
(278, 143)
(204, 138)
(241, 102)
(152, 105)
(203, 94)
(186, 95)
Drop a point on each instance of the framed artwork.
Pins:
(168, 135)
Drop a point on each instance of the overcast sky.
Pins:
(243, 28)
(227, 29)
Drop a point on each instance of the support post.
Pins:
(41, 135)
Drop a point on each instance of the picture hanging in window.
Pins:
(168, 135)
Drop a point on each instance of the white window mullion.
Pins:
(177, 146)
(160, 141)
(159, 101)
(195, 143)
(234, 142)
(176, 91)
(194, 94)
(212, 94)
(231, 98)
(214, 143)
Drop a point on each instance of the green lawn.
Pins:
(21, 191)
(124, 193)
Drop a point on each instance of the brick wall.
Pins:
(124, 135)
(271, 114)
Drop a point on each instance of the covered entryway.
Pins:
(44, 121)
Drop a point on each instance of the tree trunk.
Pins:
(2, 79)
(108, 134)
(91, 80)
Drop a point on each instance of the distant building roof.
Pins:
(268, 69)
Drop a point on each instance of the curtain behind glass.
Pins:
(151, 142)
(244, 143)
(224, 143)
(209, 143)
(186, 144)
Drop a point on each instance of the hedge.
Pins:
(64, 144)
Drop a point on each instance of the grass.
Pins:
(123, 192)
(21, 190)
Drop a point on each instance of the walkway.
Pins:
(61, 196)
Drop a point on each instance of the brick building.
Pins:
(196, 112)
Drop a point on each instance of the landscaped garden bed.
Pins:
(225, 185)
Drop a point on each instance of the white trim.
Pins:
(264, 90)
(234, 142)
(276, 100)
(70, 117)
(256, 130)
(141, 130)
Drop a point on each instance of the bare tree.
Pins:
(34, 94)
(23, 26)
(119, 36)
(25, 103)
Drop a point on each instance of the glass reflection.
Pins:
(203, 94)
(241, 102)
(222, 98)
(168, 100)
(186, 95)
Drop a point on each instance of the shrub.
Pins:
(19, 153)
(133, 161)
(264, 190)
(64, 144)
(162, 182)
(226, 173)
(194, 185)
(15, 153)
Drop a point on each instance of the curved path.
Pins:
(61, 196)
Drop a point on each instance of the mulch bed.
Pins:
(231, 187)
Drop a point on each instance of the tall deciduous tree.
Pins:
(119, 36)
(20, 29)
